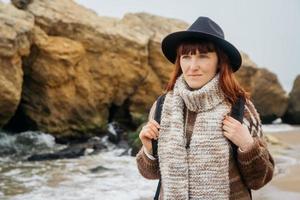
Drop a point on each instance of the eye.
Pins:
(185, 56)
(203, 56)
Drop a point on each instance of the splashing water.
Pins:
(26, 143)
(103, 176)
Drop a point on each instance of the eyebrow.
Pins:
(200, 53)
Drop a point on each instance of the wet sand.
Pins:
(286, 181)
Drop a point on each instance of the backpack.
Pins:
(237, 112)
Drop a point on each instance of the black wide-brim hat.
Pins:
(202, 29)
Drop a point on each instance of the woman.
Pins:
(195, 155)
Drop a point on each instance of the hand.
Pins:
(237, 133)
(149, 132)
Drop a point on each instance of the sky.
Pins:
(267, 30)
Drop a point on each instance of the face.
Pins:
(198, 69)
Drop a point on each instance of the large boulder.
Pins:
(57, 96)
(292, 115)
(129, 48)
(267, 93)
(82, 65)
(15, 41)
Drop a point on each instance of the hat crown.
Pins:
(203, 29)
(207, 26)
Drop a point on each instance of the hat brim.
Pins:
(172, 41)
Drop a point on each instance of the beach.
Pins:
(285, 148)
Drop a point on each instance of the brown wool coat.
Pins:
(253, 168)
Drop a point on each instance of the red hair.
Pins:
(228, 82)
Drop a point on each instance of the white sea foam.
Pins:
(278, 126)
(119, 180)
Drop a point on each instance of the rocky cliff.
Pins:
(67, 71)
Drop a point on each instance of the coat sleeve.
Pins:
(256, 164)
(147, 167)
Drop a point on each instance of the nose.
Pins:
(194, 63)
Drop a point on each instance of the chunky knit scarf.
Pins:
(201, 171)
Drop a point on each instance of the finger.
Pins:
(153, 128)
(228, 123)
(153, 133)
(227, 134)
(232, 120)
(226, 128)
(150, 135)
(152, 121)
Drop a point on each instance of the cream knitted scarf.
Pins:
(200, 172)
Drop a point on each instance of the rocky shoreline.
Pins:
(103, 172)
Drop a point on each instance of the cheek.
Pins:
(209, 66)
(184, 66)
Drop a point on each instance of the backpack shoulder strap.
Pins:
(157, 117)
(237, 112)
